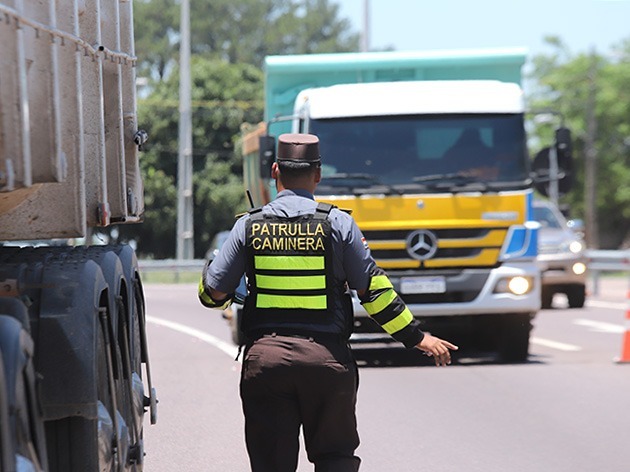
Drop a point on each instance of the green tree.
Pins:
(229, 42)
(569, 84)
(224, 96)
(239, 32)
(156, 27)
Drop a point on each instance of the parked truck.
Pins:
(428, 150)
(74, 367)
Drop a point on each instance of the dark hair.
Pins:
(292, 169)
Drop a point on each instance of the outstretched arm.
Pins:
(386, 307)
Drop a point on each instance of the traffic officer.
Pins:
(301, 258)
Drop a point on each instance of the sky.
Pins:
(462, 24)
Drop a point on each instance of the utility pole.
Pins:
(365, 33)
(590, 165)
(185, 246)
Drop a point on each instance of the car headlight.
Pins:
(578, 268)
(576, 247)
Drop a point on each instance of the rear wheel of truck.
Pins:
(576, 294)
(78, 444)
(7, 456)
(514, 337)
(23, 445)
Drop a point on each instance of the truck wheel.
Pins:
(131, 396)
(7, 456)
(577, 296)
(546, 298)
(484, 332)
(514, 338)
(19, 411)
(78, 444)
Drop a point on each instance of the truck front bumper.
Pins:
(470, 292)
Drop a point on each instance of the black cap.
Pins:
(296, 147)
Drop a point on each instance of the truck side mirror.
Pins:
(266, 154)
(564, 147)
(542, 176)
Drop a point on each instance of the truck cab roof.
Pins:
(410, 98)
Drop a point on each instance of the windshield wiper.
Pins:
(446, 178)
(510, 184)
(343, 176)
(462, 181)
(358, 184)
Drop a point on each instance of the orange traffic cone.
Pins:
(625, 347)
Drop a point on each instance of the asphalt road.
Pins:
(567, 409)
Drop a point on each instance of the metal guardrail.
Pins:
(176, 265)
(599, 261)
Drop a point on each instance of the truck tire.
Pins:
(126, 309)
(514, 337)
(78, 444)
(19, 411)
(131, 387)
(546, 298)
(576, 294)
(484, 333)
(7, 456)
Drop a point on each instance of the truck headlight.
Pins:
(518, 285)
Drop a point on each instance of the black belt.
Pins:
(317, 336)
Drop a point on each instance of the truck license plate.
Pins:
(435, 284)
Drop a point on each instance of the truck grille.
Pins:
(457, 248)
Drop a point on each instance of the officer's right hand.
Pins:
(438, 348)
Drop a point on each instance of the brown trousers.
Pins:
(288, 382)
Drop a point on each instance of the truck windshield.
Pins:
(423, 153)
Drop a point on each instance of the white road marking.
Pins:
(232, 350)
(600, 326)
(228, 348)
(611, 305)
(554, 344)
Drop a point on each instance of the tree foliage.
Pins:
(239, 32)
(229, 42)
(224, 96)
(568, 84)
(156, 25)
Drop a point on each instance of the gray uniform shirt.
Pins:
(352, 261)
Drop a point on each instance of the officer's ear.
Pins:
(274, 171)
(318, 174)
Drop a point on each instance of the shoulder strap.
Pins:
(256, 213)
(323, 210)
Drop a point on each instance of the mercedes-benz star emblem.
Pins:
(422, 244)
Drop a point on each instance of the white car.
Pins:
(561, 256)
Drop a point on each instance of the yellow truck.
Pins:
(428, 150)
